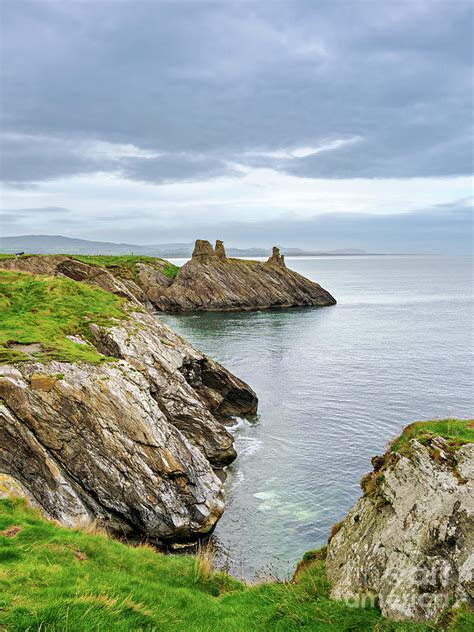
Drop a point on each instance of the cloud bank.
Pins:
(133, 96)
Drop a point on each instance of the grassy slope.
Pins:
(125, 265)
(52, 578)
(41, 309)
(457, 432)
(122, 265)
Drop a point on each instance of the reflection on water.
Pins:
(334, 385)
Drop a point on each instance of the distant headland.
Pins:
(57, 244)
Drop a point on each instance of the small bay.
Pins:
(335, 384)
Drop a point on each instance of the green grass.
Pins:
(56, 579)
(125, 265)
(457, 432)
(45, 310)
(5, 257)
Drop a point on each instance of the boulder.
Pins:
(203, 251)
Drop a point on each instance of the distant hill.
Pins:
(57, 244)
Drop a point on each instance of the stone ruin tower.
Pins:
(203, 250)
(276, 259)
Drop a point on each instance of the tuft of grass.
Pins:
(45, 310)
(125, 266)
(456, 432)
(58, 579)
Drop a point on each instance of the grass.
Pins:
(45, 310)
(122, 265)
(456, 432)
(126, 265)
(57, 579)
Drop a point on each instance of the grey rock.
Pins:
(409, 541)
(212, 282)
(133, 442)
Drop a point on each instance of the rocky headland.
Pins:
(408, 543)
(209, 281)
(106, 413)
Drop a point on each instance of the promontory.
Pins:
(209, 281)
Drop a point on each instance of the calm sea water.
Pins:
(334, 385)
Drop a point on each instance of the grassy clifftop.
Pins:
(121, 265)
(125, 266)
(52, 578)
(456, 432)
(43, 311)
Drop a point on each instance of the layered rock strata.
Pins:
(133, 442)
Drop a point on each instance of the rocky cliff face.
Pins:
(209, 281)
(409, 542)
(133, 442)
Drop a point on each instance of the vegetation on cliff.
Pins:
(125, 266)
(456, 432)
(408, 541)
(43, 311)
(208, 282)
(52, 578)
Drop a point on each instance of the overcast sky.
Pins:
(314, 124)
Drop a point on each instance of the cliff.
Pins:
(209, 281)
(106, 413)
(409, 541)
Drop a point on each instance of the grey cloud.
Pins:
(48, 210)
(169, 168)
(27, 157)
(40, 214)
(221, 78)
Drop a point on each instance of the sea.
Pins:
(335, 385)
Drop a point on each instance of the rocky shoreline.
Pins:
(134, 441)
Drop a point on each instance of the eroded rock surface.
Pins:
(211, 281)
(132, 442)
(409, 541)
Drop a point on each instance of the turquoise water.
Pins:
(334, 385)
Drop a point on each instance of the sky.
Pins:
(315, 124)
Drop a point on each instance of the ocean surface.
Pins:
(335, 384)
